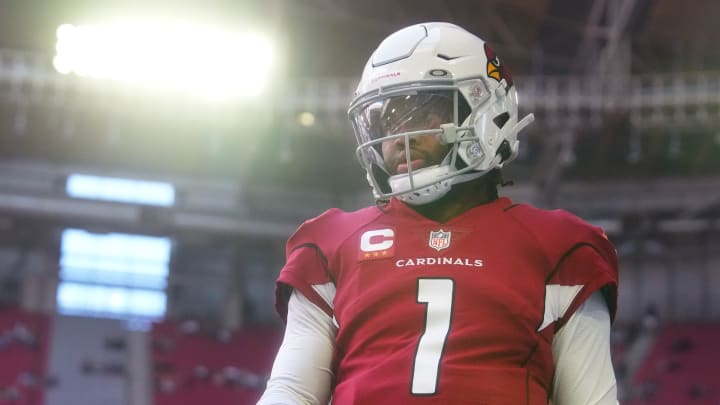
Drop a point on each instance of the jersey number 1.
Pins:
(437, 294)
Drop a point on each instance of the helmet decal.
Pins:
(496, 69)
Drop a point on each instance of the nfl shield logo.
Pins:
(439, 240)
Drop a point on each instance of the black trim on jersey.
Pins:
(525, 362)
(568, 253)
(506, 209)
(603, 289)
(322, 257)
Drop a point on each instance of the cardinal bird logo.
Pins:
(497, 70)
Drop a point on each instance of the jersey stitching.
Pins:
(525, 362)
(527, 387)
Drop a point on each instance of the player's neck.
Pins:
(461, 198)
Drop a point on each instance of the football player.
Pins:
(444, 292)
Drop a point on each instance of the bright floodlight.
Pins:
(191, 58)
(306, 119)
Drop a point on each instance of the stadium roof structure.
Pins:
(331, 38)
(624, 91)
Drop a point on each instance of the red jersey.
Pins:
(457, 312)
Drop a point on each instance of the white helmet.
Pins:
(442, 69)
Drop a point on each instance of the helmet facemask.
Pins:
(449, 111)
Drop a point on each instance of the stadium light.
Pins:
(306, 119)
(198, 60)
(120, 190)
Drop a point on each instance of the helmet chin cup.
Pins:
(423, 185)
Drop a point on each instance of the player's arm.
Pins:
(581, 349)
(302, 371)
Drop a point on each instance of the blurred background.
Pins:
(155, 157)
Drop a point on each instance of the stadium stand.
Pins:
(23, 350)
(199, 363)
(681, 367)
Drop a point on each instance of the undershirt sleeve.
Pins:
(584, 372)
(301, 373)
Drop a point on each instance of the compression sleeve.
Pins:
(581, 349)
(302, 371)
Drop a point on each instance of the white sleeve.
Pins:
(581, 349)
(302, 371)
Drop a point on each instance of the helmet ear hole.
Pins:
(382, 179)
(464, 109)
(501, 120)
(460, 163)
(504, 150)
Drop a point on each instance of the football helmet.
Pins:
(434, 79)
